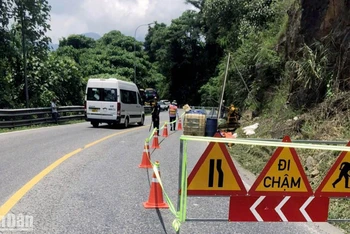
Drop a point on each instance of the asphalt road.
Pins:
(100, 189)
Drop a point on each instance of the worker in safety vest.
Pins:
(172, 115)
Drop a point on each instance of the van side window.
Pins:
(128, 97)
(125, 96)
(140, 99)
(133, 97)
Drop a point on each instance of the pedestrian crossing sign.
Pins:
(337, 181)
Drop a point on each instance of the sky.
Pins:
(101, 16)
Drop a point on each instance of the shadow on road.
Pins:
(115, 127)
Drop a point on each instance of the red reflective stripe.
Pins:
(172, 110)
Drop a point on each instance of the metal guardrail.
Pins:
(10, 118)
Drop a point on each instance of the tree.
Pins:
(182, 56)
(77, 42)
(154, 43)
(31, 17)
(110, 56)
(22, 35)
(199, 4)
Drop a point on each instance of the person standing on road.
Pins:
(155, 115)
(173, 112)
(54, 110)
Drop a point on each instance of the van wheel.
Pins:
(142, 121)
(126, 122)
(95, 124)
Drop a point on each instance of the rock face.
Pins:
(314, 19)
(320, 17)
(324, 26)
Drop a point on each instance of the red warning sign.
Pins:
(278, 209)
(336, 183)
(282, 175)
(215, 174)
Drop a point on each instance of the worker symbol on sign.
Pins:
(344, 172)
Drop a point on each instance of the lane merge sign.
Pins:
(283, 175)
(215, 174)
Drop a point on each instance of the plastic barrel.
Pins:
(211, 127)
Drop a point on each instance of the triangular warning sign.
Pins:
(337, 181)
(215, 174)
(282, 175)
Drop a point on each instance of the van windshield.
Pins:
(102, 94)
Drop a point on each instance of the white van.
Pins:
(114, 102)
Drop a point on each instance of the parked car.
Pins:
(163, 106)
(167, 102)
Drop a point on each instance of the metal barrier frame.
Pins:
(183, 175)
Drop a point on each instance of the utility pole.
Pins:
(24, 51)
(135, 48)
(223, 86)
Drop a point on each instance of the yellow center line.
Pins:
(13, 200)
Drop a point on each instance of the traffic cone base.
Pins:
(155, 199)
(155, 143)
(155, 203)
(146, 160)
(148, 205)
(179, 124)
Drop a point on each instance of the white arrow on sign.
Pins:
(289, 213)
(253, 208)
(303, 207)
(279, 207)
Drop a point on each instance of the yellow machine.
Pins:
(230, 122)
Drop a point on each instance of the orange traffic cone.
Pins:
(155, 199)
(179, 125)
(155, 143)
(146, 158)
(165, 130)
